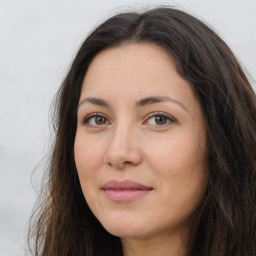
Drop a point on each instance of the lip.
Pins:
(124, 191)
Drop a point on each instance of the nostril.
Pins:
(127, 163)
(119, 165)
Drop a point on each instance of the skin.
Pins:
(130, 143)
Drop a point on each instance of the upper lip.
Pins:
(124, 185)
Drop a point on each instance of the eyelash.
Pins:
(93, 115)
(169, 118)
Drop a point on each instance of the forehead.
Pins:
(134, 52)
(144, 66)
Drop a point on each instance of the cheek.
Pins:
(173, 153)
(88, 159)
(181, 164)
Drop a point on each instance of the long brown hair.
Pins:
(225, 225)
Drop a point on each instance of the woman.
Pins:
(155, 145)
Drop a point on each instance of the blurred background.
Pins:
(38, 40)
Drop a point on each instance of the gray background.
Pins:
(38, 40)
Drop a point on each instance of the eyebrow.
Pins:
(140, 103)
(157, 99)
(95, 101)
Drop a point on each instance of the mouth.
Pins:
(124, 191)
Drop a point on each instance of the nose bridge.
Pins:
(122, 148)
(121, 138)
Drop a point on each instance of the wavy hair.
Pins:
(62, 223)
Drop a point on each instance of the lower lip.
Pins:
(122, 196)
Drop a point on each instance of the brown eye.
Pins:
(161, 120)
(96, 120)
(100, 120)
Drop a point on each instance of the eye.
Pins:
(96, 120)
(159, 119)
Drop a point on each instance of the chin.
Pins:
(123, 232)
(124, 228)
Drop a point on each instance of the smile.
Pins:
(124, 191)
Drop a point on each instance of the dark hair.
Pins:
(225, 224)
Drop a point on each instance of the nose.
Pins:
(123, 148)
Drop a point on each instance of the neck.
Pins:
(161, 246)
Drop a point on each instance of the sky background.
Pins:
(38, 40)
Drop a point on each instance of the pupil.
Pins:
(100, 120)
(160, 120)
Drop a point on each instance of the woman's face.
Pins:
(140, 146)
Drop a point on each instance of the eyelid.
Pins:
(95, 114)
(168, 116)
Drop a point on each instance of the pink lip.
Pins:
(124, 191)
